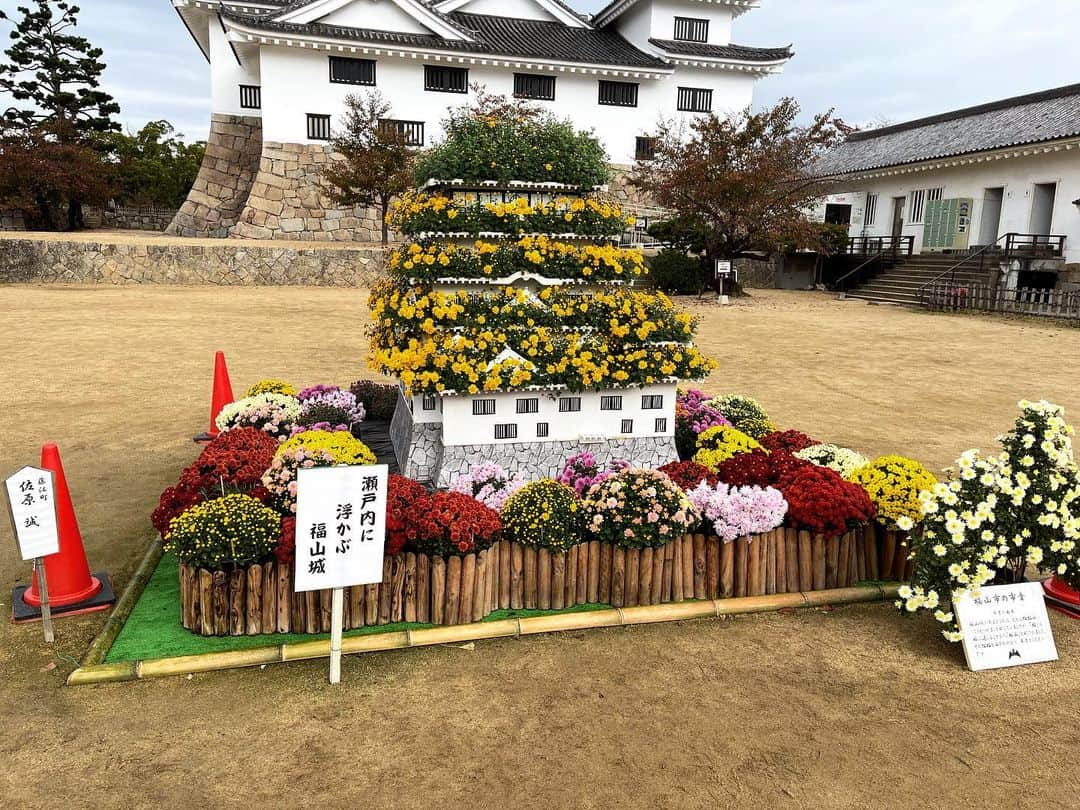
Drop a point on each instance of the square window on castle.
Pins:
(318, 127)
(345, 70)
(627, 425)
(695, 99)
(429, 402)
(652, 402)
(483, 407)
(569, 404)
(618, 94)
(691, 29)
(644, 148)
(530, 405)
(542, 430)
(506, 431)
(611, 403)
(250, 97)
(530, 85)
(446, 79)
(661, 424)
(411, 133)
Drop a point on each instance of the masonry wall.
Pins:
(225, 263)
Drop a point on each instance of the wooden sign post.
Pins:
(1006, 626)
(32, 507)
(340, 534)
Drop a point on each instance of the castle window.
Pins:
(661, 424)
(529, 85)
(627, 425)
(652, 402)
(345, 70)
(429, 402)
(644, 148)
(410, 132)
(318, 127)
(542, 430)
(446, 79)
(618, 94)
(506, 431)
(483, 407)
(695, 99)
(691, 29)
(611, 403)
(531, 405)
(250, 97)
(569, 404)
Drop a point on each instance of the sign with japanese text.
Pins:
(33, 512)
(340, 526)
(1006, 626)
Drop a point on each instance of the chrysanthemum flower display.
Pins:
(688, 474)
(235, 530)
(693, 416)
(791, 441)
(582, 470)
(822, 502)
(447, 523)
(718, 444)
(745, 413)
(893, 484)
(271, 386)
(544, 514)
(274, 414)
(758, 468)
(842, 460)
(637, 509)
(731, 512)
(330, 407)
(314, 448)
(489, 483)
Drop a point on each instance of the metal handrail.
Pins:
(951, 272)
(839, 283)
(893, 249)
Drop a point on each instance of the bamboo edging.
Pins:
(456, 634)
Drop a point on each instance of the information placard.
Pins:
(340, 526)
(30, 494)
(1006, 626)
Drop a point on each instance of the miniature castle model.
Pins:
(281, 70)
(531, 347)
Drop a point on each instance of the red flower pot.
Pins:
(1061, 597)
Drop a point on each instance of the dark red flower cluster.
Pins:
(234, 462)
(758, 469)
(820, 500)
(285, 551)
(688, 474)
(791, 441)
(447, 523)
(402, 498)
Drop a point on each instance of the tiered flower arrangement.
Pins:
(313, 448)
(327, 407)
(745, 413)
(271, 386)
(718, 444)
(235, 530)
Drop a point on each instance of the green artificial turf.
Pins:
(153, 630)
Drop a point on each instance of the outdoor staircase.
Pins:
(900, 283)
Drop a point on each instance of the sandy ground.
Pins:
(848, 708)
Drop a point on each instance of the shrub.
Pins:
(449, 523)
(489, 483)
(274, 414)
(235, 530)
(721, 443)
(838, 459)
(822, 502)
(745, 413)
(688, 474)
(638, 509)
(378, 400)
(403, 496)
(581, 471)
(790, 441)
(544, 514)
(758, 468)
(315, 448)
(893, 484)
(270, 386)
(674, 271)
(731, 512)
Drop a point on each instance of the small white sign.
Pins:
(340, 526)
(1007, 626)
(723, 268)
(31, 497)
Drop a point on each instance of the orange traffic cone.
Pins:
(222, 396)
(72, 588)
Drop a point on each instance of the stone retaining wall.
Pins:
(11, 220)
(127, 218)
(227, 263)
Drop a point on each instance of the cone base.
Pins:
(87, 593)
(203, 438)
(1062, 598)
(22, 611)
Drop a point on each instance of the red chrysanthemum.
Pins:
(758, 468)
(791, 441)
(820, 500)
(688, 474)
(451, 523)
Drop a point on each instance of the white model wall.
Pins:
(462, 427)
(1018, 176)
(297, 81)
(227, 74)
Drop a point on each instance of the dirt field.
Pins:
(848, 708)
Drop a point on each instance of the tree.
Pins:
(742, 183)
(376, 165)
(153, 166)
(57, 74)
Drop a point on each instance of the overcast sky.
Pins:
(873, 60)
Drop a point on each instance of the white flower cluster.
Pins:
(838, 459)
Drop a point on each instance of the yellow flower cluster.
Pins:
(231, 530)
(544, 514)
(270, 386)
(426, 211)
(893, 484)
(718, 444)
(341, 445)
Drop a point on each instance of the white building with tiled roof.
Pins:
(280, 73)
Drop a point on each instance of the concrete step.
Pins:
(884, 298)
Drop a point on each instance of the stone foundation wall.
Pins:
(216, 200)
(138, 219)
(633, 200)
(758, 273)
(288, 200)
(227, 263)
(11, 220)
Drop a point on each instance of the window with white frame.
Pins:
(870, 214)
(318, 127)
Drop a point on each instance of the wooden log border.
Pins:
(466, 589)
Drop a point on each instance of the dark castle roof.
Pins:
(741, 53)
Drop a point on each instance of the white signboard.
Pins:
(30, 494)
(1007, 626)
(340, 526)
